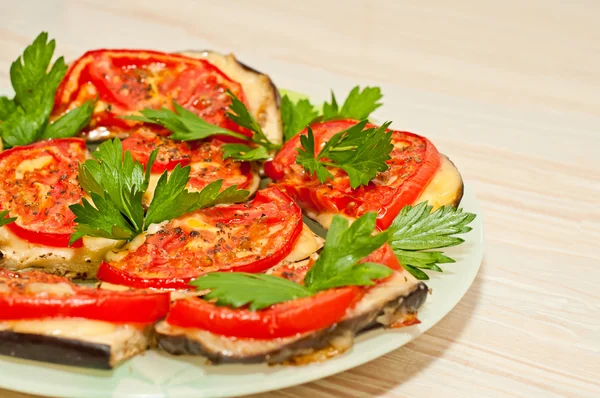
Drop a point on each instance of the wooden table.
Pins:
(514, 89)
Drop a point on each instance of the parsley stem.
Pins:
(343, 148)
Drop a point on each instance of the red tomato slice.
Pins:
(415, 160)
(143, 141)
(126, 81)
(22, 296)
(38, 183)
(281, 320)
(249, 237)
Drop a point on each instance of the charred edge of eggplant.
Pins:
(181, 345)
(57, 350)
(461, 192)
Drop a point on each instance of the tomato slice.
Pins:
(126, 81)
(38, 182)
(249, 237)
(35, 295)
(143, 141)
(415, 160)
(281, 320)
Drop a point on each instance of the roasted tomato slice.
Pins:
(35, 295)
(281, 320)
(250, 237)
(415, 160)
(126, 81)
(144, 140)
(38, 183)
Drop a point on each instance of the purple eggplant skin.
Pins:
(55, 350)
(181, 345)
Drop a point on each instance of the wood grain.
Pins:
(509, 89)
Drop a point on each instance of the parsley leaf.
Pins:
(416, 228)
(185, 125)
(344, 247)
(7, 107)
(242, 116)
(71, 122)
(26, 118)
(116, 184)
(258, 291)
(171, 199)
(296, 116)
(337, 266)
(4, 219)
(360, 152)
(245, 152)
(358, 105)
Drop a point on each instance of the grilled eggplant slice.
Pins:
(386, 304)
(75, 342)
(261, 93)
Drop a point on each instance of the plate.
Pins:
(155, 374)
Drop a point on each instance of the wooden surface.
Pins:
(511, 91)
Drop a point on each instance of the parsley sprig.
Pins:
(4, 220)
(360, 152)
(26, 117)
(187, 126)
(416, 229)
(296, 115)
(338, 265)
(116, 184)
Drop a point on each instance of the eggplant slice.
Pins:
(103, 351)
(384, 305)
(260, 91)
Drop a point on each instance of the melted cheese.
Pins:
(445, 188)
(307, 244)
(30, 165)
(55, 289)
(80, 262)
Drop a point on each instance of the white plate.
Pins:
(157, 375)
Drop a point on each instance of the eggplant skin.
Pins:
(56, 350)
(181, 345)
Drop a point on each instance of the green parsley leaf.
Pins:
(360, 152)
(358, 105)
(242, 116)
(296, 116)
(345, 245)
(26, 118)
(117, 183)
(245, 152)
(416, 228)
(185, 125)
(172, 200)
(4, 219)
(71, 122)
(7, 107)
(258, 291)
(308, 159)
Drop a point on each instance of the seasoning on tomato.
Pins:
(38, 183)
(413, 164)
(143, 141)
(37, 295)
(127, 81)
(249, 237)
